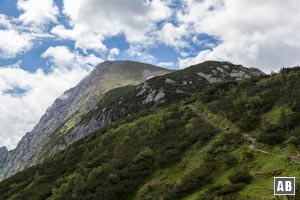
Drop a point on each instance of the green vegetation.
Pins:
(112, 165)
(222, 141)
(270, 105)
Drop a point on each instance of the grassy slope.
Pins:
(116, 162)
(263, 167)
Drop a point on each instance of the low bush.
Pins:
(241, 176)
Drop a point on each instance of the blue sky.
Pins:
(157, 54)
(48, 46)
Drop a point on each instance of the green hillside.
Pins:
(211, 137)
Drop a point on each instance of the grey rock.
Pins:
(220, 69)
(170, 81)
(3, 154)
(238, 74)
(159, 96)
(150, 97)
(214, 71)
(226, 66)
(256, 72)
(143, 90)
(209, 78)
(227, 70)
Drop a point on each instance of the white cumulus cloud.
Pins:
(174, 35)
(13, 41)
(37, 12)
(19, 35)
(94, 20)
(251, 32)
(166, 64)
(63, 58)
(113, 53)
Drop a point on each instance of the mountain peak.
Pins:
(54, 131)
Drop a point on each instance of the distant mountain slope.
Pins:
(162, 90)
(67, 110)
(179, 136)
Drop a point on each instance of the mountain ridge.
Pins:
(72, 104)
(189, 143)
(61, 125)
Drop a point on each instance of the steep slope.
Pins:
(59, 119)
(170, 138)
(161, 90)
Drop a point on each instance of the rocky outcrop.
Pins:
(3, 154)
(159, 96)
(150, 97)
(210, 77)
(223, 71)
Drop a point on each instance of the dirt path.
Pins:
(252, 146)
(249, 137)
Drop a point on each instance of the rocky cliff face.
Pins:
(3, 155)
(57, 128)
